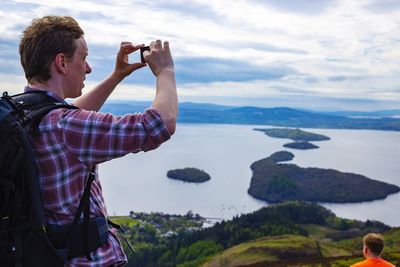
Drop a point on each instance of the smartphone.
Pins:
(142, 49)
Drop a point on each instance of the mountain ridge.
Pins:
(250, 115)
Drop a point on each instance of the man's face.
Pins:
(77, 68)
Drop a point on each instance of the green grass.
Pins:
(124, 220)
(393, 257)
(317, 231)
(392, 240)
(345, 262)
(329, 250)
(312, 251)
(267, 249)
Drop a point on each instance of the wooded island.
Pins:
(301, 138)
(192, 175)
(275, 182)
(300, 145)
(296, 135)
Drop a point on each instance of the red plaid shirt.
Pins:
(70, 142)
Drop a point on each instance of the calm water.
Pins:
(138, 182)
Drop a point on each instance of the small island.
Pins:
(192, 175)
(293, 134)
(301, 138)
(301, 145)
(275, 182)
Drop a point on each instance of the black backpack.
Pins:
(25, 239)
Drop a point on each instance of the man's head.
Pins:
(47, 40)
(373, 245)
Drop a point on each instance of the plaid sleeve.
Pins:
(98, 137)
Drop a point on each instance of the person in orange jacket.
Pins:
(372, 249)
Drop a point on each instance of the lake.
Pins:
(138, 182)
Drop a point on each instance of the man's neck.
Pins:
(47, 87)
(369, 256)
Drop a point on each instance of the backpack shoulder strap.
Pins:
(34, 116)
(30, 107)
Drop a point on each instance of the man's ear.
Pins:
(60, 63)
(366, 252)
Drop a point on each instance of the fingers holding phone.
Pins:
(158, 56)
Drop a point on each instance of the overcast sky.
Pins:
(315, 54)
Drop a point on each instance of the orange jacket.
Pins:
(373, 262)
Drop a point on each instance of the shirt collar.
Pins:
(48, 92)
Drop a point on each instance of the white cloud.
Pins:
(12, 83)
(344, 48)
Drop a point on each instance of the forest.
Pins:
(290, 224)
(274, 182)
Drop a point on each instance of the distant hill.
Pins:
(275, 182)
(395, 113)
(279, 116)
(287, 234)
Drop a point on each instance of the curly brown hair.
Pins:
(43, 40)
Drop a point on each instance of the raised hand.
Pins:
(159, 57)
(122, 66)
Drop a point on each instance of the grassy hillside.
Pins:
(267, 249)
(295, 250)
(287, 234)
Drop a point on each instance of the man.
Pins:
(70, 142)
(372, 250)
